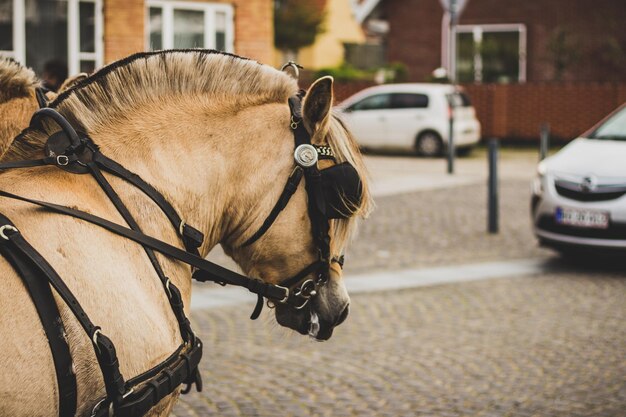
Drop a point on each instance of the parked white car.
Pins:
(579, 195)
(411, 117)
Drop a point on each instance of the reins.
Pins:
(78, 154)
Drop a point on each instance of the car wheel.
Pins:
(429, 144)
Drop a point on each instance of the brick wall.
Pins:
(124, 22)
(254, 29)
(595, 32)
(123, 28)
(414, 36)
(516, 111)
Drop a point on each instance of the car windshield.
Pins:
(612, 129)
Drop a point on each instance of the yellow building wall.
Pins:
(327, 51)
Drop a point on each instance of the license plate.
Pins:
(582, 218)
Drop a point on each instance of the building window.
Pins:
(175, 24)
(491, 53)
(35, 32)
(6, 27)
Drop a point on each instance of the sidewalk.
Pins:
(397, 174)
(205, 296)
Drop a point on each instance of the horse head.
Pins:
(291, 251)
(217, 135)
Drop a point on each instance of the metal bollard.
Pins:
(544, 141)
(451, 137)
(492, 181)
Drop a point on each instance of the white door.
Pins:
(407, 116)
(367, 120)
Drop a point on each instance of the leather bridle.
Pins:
(74, 152)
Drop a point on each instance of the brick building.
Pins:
(87, 34)
(507, 40)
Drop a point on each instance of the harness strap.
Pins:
(290, 188)
(47, 112)
(170, 289)
(122, 397)
(192, 238)
(49, 160)
(207, 271)
(48, 312)
(104, 348)
(139, 401)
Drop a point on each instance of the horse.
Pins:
(18, 98)
(212, 132)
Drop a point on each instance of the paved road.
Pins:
(547, 344)
(550, 345)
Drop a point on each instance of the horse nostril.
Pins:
(344, 315)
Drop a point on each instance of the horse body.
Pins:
(221, 159)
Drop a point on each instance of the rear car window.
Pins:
(465, 100)
(409, 101)
(460, 99)
(377, 102)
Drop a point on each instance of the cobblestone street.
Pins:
(551, 344)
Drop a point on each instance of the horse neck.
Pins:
(214, 164)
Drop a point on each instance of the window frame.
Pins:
(74, 54)
(520, 28)
(210, 10)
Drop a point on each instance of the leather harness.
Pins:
(77, 153)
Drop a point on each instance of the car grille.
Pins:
(578, 192)
(616, 231)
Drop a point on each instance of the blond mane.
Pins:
(15, 80)
(17, 100)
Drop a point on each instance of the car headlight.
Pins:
(537, 184)
(541, 168)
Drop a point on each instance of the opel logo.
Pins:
(589, 184)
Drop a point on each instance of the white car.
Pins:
(579, 195)
(411, 117)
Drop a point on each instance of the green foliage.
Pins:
(344, 72)
(296, 24)
(394, 72)
(397, 72)
(563, 50)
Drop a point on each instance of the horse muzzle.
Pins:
(309, 321)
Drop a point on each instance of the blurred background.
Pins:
(562, 60)
(449, 315)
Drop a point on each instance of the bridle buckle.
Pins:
(63, 160)
(306, 290)
(284, 300)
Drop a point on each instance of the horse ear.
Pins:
(316, 108)
(72, 81)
